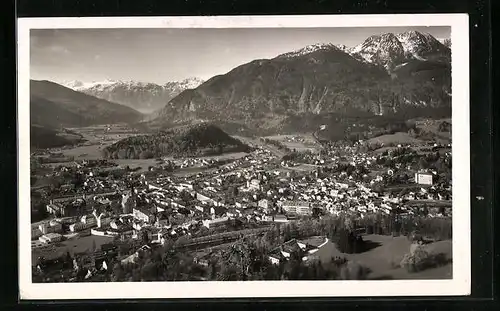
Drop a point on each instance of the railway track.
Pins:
(214, 240)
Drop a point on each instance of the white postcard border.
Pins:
(459, 285)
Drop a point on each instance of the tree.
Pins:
(150, 271)
(145, 238)
(146, 154)
(185, 196)
(78, 180)
(352, 271)
(118, 273)
(423, 164)
(55, 183)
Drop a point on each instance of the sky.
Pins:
(167, 54)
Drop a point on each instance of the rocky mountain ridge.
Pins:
(388, 74)
(142, 96)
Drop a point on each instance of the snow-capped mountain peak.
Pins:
(309, 49)
(143, 96)
(390, 49)
(342, 47)
(79, 85)
(379, 49)
(189, 83)
(73, 84)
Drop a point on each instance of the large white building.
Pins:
(49, 227)
(143, 215)
(297, 207)
(50, 238)
(423, 178)
(211, 223)
(79, 226)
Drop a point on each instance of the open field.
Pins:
(76, 245)
(433, 127)
(98, 137)
(301, 168)
(396, 138)
(91, 152)
(302, 142)
(387, 252)
(256, 142)
(225, 156)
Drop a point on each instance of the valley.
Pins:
(295, 167)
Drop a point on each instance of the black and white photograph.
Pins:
(243, 156)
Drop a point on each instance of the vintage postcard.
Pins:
(249, 156)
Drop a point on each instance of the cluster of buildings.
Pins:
(258, 188)
(291, 248)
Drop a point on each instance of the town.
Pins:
(272, 213)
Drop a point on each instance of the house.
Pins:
(297, 207)
(127, 202)
(79, 226)
(287, 249)
(276, 257)
(50, 227)
(88, 219)
(217, 222)
(253, 184)
(265, 204)
(205, 199)
(50, 238)
(61, 209)
(123, 232)
(423, 178)
(143, 215)
(203, 259)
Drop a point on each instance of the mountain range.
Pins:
(142, 96)
(393, 76)
(54, 105)
(406, 74)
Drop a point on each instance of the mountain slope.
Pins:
(45, 137)
(314, 82)
(145, 97)
(54, 105)
(199, 139)
(406, 74)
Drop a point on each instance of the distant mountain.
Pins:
(55, 106)
(389, 50)
(144, 97)
(191, 140)
(406, 74)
